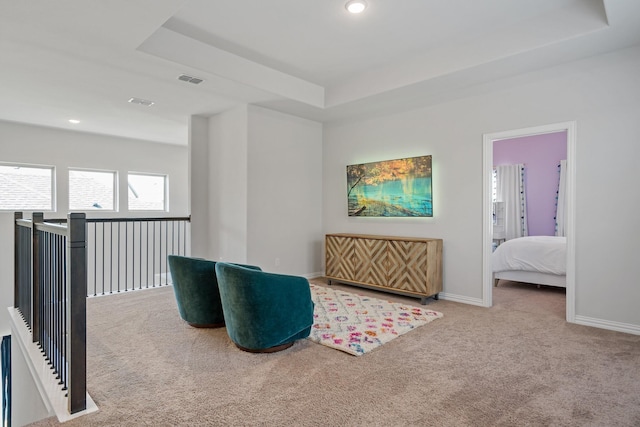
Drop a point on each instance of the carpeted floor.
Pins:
(516, 364)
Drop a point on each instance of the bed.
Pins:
(541, 260)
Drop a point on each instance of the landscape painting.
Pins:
(391, 188)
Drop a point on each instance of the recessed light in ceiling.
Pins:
(190, 79)
(74, 121)
(356, 6)
(139, 101)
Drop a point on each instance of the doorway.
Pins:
(487, 217)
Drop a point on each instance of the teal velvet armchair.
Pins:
(264, 312)
(196, 290)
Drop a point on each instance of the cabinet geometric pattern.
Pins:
(405, 265)
(339, 257)
(370, 260)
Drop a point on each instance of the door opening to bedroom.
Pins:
(529, 179)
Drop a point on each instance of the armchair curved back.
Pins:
(195, 286)
(264, 311)
(196, 289)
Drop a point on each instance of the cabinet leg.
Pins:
(423, 300)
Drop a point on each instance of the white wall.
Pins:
(265, 183)
(284, 193)
(26, 404)
(67, 149)
(6, 270)
(602, 94)
(227, 196)
(199, 184)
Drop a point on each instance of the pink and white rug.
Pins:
(357, 324)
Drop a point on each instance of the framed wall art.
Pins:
(391, 188)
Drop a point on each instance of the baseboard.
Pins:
(627, 328)
(442, 295)
(313, 275)
(162, 278)
(461, 298)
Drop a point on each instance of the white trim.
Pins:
(122, 292)
(571, 224)
(316, 275)
(50, 392)
(487, 159)
(162, 278)
(487, 224)
(461, 298)
(628, 328)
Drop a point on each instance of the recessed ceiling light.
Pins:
(74, 121)
(356, 6)
(140, 101)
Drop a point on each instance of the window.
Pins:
(147, 192)
(26, 187)
(91, 190)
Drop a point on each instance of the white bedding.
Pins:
(544, 254)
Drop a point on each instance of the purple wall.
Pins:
(541, 155)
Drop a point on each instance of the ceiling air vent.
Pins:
(141, 102)
(190, 79)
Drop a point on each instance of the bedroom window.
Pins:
(147, 192)
(26, 187)
(92, 190)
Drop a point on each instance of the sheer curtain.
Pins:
(561, 207)
(510, 190)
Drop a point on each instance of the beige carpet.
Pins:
(516, 364)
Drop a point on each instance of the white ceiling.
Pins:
(84, 59)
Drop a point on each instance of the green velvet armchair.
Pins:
(196, 289)
(264, 312)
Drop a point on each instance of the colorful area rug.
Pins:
(357, 324)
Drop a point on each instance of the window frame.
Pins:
(165, 192)
(114, 189)
(52, 195)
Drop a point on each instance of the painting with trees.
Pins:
(391, 188)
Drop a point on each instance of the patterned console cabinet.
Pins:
(402, 265)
